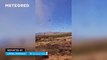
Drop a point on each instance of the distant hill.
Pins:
(53, 34)
(50, 33)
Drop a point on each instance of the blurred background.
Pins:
(89, 24)
(17, 28)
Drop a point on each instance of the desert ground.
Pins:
(58, 45)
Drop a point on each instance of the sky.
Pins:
(53, 15)
(41, 16)
(89, 18)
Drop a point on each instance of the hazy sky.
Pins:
(42, 16)
(53, 15)
(89, 18)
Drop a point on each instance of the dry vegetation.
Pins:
(58, 46)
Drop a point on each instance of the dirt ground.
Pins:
(59, 47)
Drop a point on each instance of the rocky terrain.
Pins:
(58, 45)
